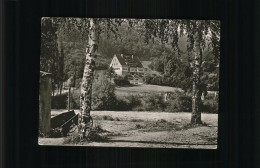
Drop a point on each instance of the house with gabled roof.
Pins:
(128, 65)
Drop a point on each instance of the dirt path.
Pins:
(150, 129)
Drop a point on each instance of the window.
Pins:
(140, 69)
(116, 68)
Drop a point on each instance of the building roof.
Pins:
(129, 60)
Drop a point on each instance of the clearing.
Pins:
(148, 129)
(145, 89)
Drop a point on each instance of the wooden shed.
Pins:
(45, 102)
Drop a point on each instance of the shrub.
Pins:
(161, 121)
(128, 103)
(138, 126)
(121, 82)
(185, 103)
(154, 102)
(75, 99)
(103, 94)
(103, 98)
(147, 79)
(179, 102)
(55, 133)
(182, 102)
(134, 101)
(78, 82)
(107, 117)
(59, 101)
(210, 106)
(136, 120)
(121, 105)
(94, 135)
(213, 82)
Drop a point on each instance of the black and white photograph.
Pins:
(124, 82)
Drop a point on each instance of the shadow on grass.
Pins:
(154, 126)
(96, 134)
(106, 117)
(189, 125)
(163, 125)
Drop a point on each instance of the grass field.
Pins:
(149, 129)
(144, 89)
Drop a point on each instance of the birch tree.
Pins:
(86, 86)
(201, 34)
(87, 32)
(87, 80)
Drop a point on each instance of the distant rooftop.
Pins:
(129, 60)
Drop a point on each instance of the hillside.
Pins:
(167, 66)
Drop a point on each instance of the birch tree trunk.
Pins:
(86, 86)
(196, 95)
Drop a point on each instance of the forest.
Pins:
(63, 45)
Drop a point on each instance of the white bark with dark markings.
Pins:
(86, 86)
(196, 91)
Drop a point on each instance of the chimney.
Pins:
(122, 55)
(132, 56)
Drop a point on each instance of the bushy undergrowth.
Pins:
(104, 98)
(179, 102)
(153, 102)
(59, 101)
(107, 117)
(159, 125)
(121, 82)
(96, 134)
(75, 99)
(210, 106)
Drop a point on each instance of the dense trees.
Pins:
(200, 35)
(52, 53)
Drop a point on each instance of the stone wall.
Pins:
(45, 103)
